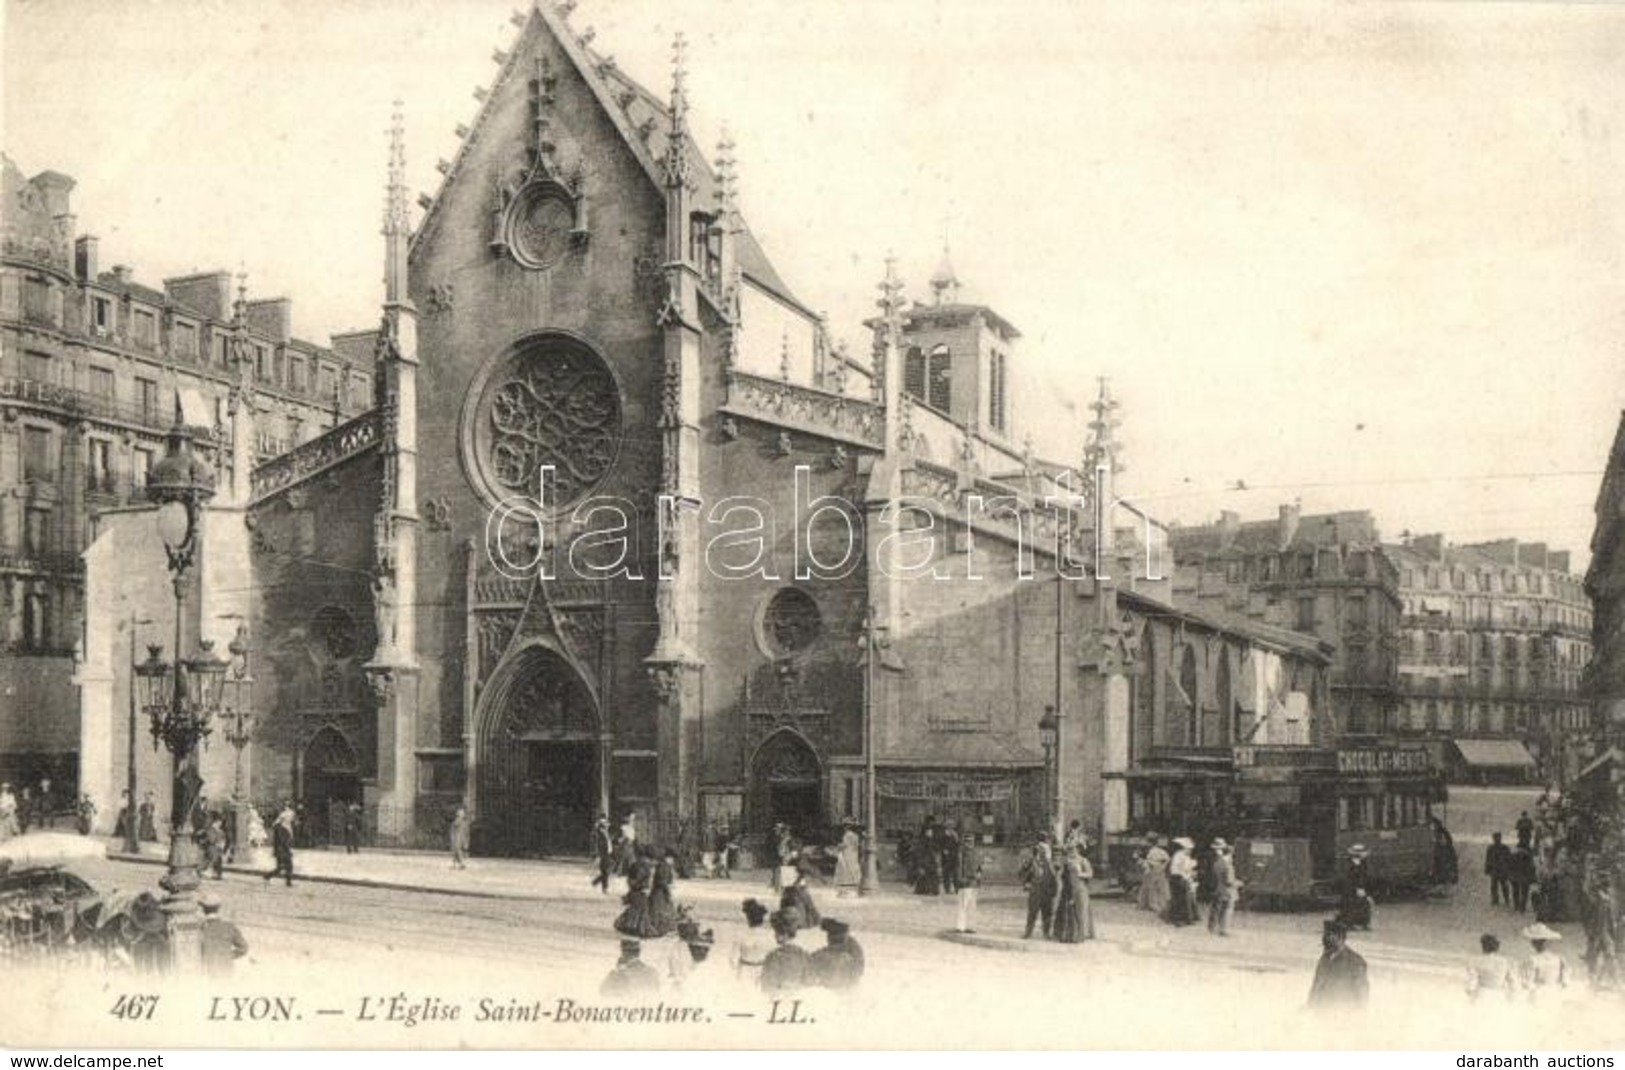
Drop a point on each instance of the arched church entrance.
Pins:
(539, 761)
(787, 784)
(330, 780)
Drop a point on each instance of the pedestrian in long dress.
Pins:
(1182, 883)
(1074, 918)
(1522, 877)
(121, 821)
(1543, 971)
(927, 861)
(1491, 973)
(849, 861)
(753, 946)
(145, 819)
(352, 829)
(1154, 893)
(1226, 889)
(1038, 877)
(459, 838)
(8, 813)
(797, 900)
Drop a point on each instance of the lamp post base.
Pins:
(869, 881)
(180, 906)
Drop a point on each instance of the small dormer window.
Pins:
(101, 315)
(145, 328)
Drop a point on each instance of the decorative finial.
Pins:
(239, 309)
(727, 175)
(395, 220)
(944, 282)
(891, 291)
(1102, 447)
(677, 147)
(784, 355)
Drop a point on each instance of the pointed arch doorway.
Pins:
(330, 775)
(787, 784)
(540, 768)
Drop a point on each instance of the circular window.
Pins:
(791, 623)
(540, 225)
(551, 403)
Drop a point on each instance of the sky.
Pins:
(1356, 256)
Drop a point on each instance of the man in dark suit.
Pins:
(223, 942)
(1340, 976)
(1522, 874)
(282, 846)
(1498, 868)
(604, 847)
(1039, 878)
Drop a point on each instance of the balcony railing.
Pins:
(70, 401)
(319, 454)
(54, 563)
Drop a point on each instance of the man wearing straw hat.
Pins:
(1226, 888)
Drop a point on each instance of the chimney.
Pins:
(1429, 546)
(85, 262)
(1287, 530)
(121, 272)
(272, 317)
(207, 294)
(1558, 561)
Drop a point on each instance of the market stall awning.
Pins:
(1494, 753)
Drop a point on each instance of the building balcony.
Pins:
(50, 563)
(70, 402)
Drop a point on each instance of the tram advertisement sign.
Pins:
(1383, 761)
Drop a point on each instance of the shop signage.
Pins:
(1383, 761)
(938, 789)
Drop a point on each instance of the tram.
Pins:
(1293, 814)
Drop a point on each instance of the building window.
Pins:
(146, 393)
(705, 246)
(184, 340)
(101, 384)
(36, 622)
(296, 374)
(914, 374)
(42, 303)
(140, 467)
(996, 393)
(1357, 610)
(146, 329)
(222, 344)
(99, 465)
(36, 531)
(940, 379)
(262, 363)
(101, 316)
(1306, 614)
(327, 384)
(38, 366)
(276, 368)
(39, 466)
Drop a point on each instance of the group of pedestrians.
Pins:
(36, 807)
(1057, 890)
(664, 949)
(1170, 882)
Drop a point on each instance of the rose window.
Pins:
(791, 623)
(541, 224)
(552, 404)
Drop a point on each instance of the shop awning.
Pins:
(1494, 753)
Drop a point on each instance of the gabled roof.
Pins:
(630, 108)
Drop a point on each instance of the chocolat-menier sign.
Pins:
(1371, 760)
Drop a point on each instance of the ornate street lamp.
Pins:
(1049, 734)
(181, 484)
(237, 719)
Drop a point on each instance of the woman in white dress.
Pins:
(1543, 973)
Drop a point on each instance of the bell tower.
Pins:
(957, 357)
